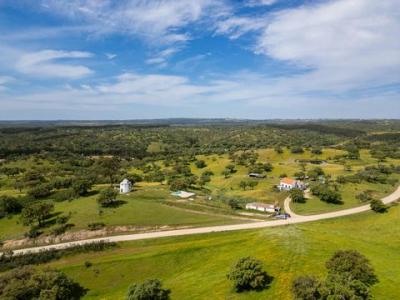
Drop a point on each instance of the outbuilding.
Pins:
(125, 186)
(264, 207)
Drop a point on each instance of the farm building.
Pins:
(125, 186)
(262, 207)
(257, 175)
(286, 184)
(183, 194)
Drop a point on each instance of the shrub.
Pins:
(297, 196)
(96, 226)
(306, 288)
(378, 206)
(28, 283)
(107, 197)
(148, 290)
(248, 274)
(200, 164)
(297, 150)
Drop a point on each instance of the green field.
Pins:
(145, 209)
(195, 267)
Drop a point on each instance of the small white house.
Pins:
(125, 186)
(262, 207)
(287, 184)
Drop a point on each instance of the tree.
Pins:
(248, 274)
(297, 150)
(107, 197)
(109, 167)
(378, 206)
(350, 276)
(40, 191)
(9, 205)
(353, 152)
(243, 185)
(81, 186)
(252, 184)
(351, 265)
(316, 151)
(306, 288)
(331, 196)
(30, 284)
(226, 173)
(200, 164)
(150, 289)
(297, 195)
(37, 212)
(278, 149)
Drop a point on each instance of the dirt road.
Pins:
(151, 235)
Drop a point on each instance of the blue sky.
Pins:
(261, 59)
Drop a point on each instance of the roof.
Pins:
(288, 180)
(183, 194)
(258, 204)
(125, 181)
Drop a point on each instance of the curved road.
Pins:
(151, 235)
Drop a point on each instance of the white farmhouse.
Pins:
(287, 184)
(262, 207)
(125, 186)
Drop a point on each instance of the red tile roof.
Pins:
(287, 180)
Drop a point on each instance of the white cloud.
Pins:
(252, 3)
(4, 80)
(235, 27)
(158, 21)
(347, 44)
(46, 63)
(110, 55)
(161, 57)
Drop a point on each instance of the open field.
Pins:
(183, 263)
(146, 208)
(143, 209)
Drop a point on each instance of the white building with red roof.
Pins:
(286, 184)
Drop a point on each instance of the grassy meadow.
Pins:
(150, 205)
(195, 267)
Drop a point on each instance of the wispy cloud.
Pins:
(46, 63)
(157, 21)
(4, 80)
(110, 55)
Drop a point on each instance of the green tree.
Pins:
(243, 185)
(352, 265)
(28, 283)
(306, 288)
(248, 274)
(109, 167)
(107, 197)
(297, 195)
(81, 186)
(378, 206)
(150, 289)
(37, 212)
(200, 164)
(40, 191)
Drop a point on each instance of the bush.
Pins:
(65, 195)
(378, 206)
(28, 283)
(297, 196)
(248, 274)
(40, 191)
(200, 164)
(107, 197)
(297, 150)
(148, 290)
(96, 226)
(350, 276)
(306, 288)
